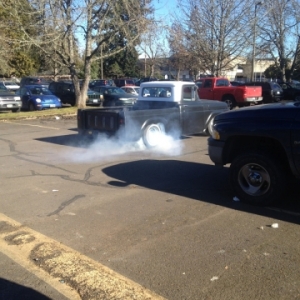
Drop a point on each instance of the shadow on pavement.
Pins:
(13, 291)
(77, 140)
(197, 181)
(73, 140)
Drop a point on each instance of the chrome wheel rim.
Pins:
(254, 179)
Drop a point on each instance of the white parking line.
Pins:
(55, 128)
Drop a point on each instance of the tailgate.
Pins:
(254, 91)
(103, 120)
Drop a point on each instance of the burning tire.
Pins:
(152, 134)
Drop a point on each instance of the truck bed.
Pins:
(106, 120)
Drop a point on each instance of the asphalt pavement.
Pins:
(85, 220)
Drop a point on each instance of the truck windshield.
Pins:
(157, 92)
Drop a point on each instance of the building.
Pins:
(241, 70)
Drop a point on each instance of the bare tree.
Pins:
(181, 58)
(71, 29)
(279, 32)
(153, 46)
(218, 32)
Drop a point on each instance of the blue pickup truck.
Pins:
(262, 144)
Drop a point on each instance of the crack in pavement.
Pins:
(65, 204)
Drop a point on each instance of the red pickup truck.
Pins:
(219, 88)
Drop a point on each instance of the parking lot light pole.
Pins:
(254, 41)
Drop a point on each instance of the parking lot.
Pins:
(163, 219)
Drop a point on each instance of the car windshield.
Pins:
(114, 90)
(8, 83)
(275, 85)
(40, 91)
(2, 87)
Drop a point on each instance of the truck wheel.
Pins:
(152, 134)
(256, 178)
(229, 101)
(209, 128)
(16, 110)
(297, 98)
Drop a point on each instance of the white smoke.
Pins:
(103, 148)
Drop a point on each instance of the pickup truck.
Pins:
(169, 107)
(262, 144)
(219, 88)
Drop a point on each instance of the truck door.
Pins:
(296, 142)
(191, 111)
(220, 88)
(206, 90)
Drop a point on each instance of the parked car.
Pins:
(11, 85)
(66, 92)
(114, 96)
(271, 91)
(124, 82)
(131, 89)
(290, 92)
(101, 82)
(9, 100)
(37, 97)
(28, 80)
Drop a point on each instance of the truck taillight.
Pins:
(121, 121)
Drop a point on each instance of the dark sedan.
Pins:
(290, 92)
(114, 96)
(37, 97)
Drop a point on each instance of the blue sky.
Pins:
(164, 9)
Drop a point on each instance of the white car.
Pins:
(131, 89)
(11, 85)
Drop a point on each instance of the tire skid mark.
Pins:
(54, 263)
(65, 204)
(12, 145)
(68, 178)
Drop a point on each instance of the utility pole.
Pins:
(101, 62)
(254, 42)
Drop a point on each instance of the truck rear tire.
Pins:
(257, 178)
(229, 100)
(152, 134)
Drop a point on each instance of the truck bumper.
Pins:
(253, 99)
(215, 151)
